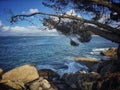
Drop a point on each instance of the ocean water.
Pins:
(51, 52)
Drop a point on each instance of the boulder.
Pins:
(1, 72)
(48, 74)
(45, 84)
(111, 52)
(25, 74)
(11, 85)
(91, 63)
(41, 84)
(36, 84)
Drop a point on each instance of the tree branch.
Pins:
(108, 28)
(108, 5)
(113, 32)
(104, 33)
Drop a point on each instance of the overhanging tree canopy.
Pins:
(104, 18)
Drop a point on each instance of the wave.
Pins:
(97, 51)
(71, 68)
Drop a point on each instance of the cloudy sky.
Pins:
(11, 7)
(24, 28)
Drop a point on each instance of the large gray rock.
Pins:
(25, 74)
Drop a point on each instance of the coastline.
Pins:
(47, 79)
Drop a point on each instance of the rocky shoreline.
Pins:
(103, 75)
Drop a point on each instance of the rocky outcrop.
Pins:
(41, 84)
(111, 52)
(26, 77)
(91, 63)
(48, 74)
(25, 74)
(11, 85)
(79, 80)
(105, 67)
(110, 81)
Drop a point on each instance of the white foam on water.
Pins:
(72, 67)
(96, 51)
(100, 49)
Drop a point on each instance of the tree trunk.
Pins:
(104, 33)
(118, 52)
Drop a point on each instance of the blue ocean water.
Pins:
(52, 52)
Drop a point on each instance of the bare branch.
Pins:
(109, 28)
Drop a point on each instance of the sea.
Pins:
(49, 52)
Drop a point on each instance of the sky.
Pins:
(13, 7)
(24, 28)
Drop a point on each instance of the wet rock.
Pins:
(111, 52)
(108, 66)
(109, 81)
(1, 72)
(91, 63)
(48, 74)
(60, 85)
(25, 74)
(82, 81)
(11, 85)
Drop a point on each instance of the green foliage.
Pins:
(70, 28)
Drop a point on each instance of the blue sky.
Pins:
(27, 7)
(21, 28)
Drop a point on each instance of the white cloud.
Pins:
(25, 31)
(32, 28)
(33, 10)
(104, 18)
(18, 28)
(5, 28)
(1, 24)
(71, 12)
(30, 11)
